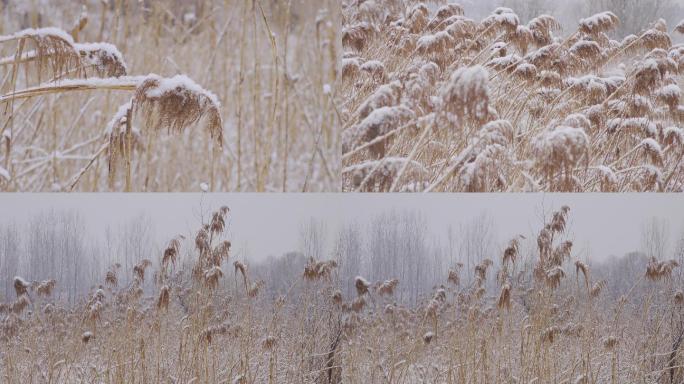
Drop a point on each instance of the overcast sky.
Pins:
(269, 224)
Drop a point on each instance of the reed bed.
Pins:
(169, 96)
(437, 101)
(526, 317)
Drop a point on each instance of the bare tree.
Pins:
(634, 15)
(312, 237)
(133, 244)
(679, 255)
(529, 9)
(349, 251)
(55, 249)
(9, 256)
(655, 238)
(476, 242)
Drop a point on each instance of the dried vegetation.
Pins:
(437, 101)
(521, 318)
(77, 116)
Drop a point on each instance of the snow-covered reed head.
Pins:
(561, 96)
(105, 58)
(22, 302)
(218, 221)
(580, 266)
(177, 103)
(254, 288)
(57, 56)
(163, 299)
(44, 288)
(680, 27)
(21, 286)
(221, 252)
(361, 285)
(387, 287)
(679, 297)
(559, 150)
(171, 251)
(598, 23)
(111, 279)
(658, 270)
(355, 36)
(242, 268)
(86, 337)
(597, 288)
(269, 342)
(467, 93)
(454, 277)
(511, 251)
(212, 276)
(140, 268)
(120, 144)
(317, 270)
(481, 269)
(505, 297)
(53, 50)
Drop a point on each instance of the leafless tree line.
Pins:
(394, 244)
(56, 245)
(635, 14)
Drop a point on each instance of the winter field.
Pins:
(437, 100)
(162, 96)
(386, 305)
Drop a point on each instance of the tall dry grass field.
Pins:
(541, 317)
(437, 101)
(223, 95)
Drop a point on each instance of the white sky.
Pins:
(269, 224)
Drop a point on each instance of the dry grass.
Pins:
(256, 111)
(435, 101)
(533, 324)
